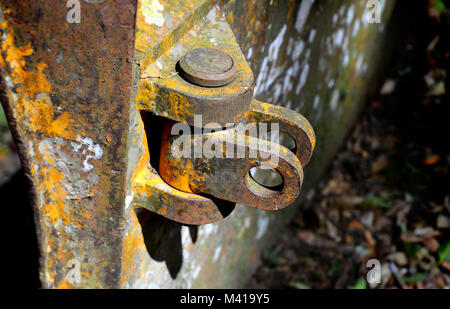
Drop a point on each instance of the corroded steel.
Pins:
(152, 193)
(311, 56)
(290, 122)
(164, 92)
(208, 67)
(66, 88)
(67, 91)
(195, 77)
(227, 177)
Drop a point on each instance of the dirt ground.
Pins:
(386, 195)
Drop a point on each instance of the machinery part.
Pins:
(223, 173)
(291, 123)
(208, 67)
(153, 194)
(196, 77)
(165, 93)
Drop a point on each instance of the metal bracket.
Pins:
(205, 73)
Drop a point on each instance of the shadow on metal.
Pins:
(162, 238)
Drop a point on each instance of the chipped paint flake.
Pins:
(93, 151)
(128, 200)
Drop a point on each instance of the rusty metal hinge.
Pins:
(202, 86)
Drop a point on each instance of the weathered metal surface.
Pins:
(74, 80)
(225, 174)
(289, 122)
(66, 89)
(164, 92)
(181, 96)
(311, 57)
(207, 67)
(155, 195)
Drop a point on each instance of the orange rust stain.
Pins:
(34, 112)
(230, 17)
(55, 209)
(133, 244)
(32, 89)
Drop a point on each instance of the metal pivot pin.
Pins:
(207, 67)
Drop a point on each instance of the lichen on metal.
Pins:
(67, 102)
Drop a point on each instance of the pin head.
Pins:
(207, 67)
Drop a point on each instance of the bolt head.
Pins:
(207, 67)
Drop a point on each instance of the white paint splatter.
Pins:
(335, 18)
(196, 272)
(298, 49)
(250, 52)
(57, 153)
(350, 14)
(334, 99)
(263, 222)
(331, 83)
(339, 37)
(355, 28)
(128, 200)
(247, 222)
(207, 229)
(95, 150)
(303, 78)
(217, 253)
(152, 11)
(269, 71)
(316, 102)
(312, 34)
(302, 14)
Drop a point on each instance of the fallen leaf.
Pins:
(443, 222)
(431, 159)
(337, 186)
(431, 244)
(444, 252)
(398, 258)
(419, 235)
(346, 201)
(379, 164)
(354, 224)
(440, 282)
(446, 265)
(388, 87)
(369, 238)
(433, 44)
